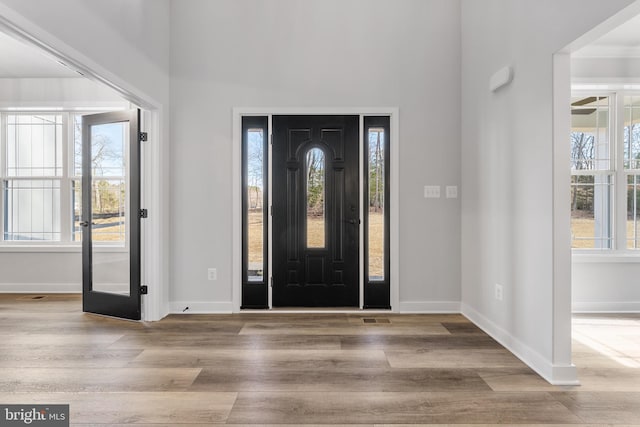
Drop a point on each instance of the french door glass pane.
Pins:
(315, 175)
(109, 145)
(108, 206)
(255, 192)
(376, 204)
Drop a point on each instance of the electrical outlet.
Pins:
(431, 191)
(498, 292)
(451, 191)
(212, 274)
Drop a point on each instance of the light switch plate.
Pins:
(451, 191)
(431, 191)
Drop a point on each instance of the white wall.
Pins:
(315, 53)
(507, 171)
(600, 283)
(124, 42)
(605, 69)
(56, 92)
(129, 38)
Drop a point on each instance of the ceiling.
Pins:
(20, 60)
(622, 42)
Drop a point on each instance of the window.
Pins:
(32, 173)
(41, 180)
(631, 136)
(605, 157)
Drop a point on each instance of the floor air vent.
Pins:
(369, 320)
(33, 297)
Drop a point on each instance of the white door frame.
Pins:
(236, 258)
(155, 303)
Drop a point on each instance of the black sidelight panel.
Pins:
(376, 212)
(255, 212)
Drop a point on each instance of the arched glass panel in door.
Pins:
(315, 176)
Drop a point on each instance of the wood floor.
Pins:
(295, 369)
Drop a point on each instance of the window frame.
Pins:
(619, 175)
(66, 180)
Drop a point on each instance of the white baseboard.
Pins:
(430, 307)
(606, 307)
(40, 288)
(200, 307)
(554, 374)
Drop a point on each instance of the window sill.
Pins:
(12, 248)
(603, 257)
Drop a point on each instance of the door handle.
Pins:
(354, 221)
(84, 223)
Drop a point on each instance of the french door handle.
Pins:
(84, 223)
(354, 221)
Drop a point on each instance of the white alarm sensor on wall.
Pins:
(501, 78)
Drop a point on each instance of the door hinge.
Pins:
(143, 136)
(271, 281)
(271, 139)
(271, 210)
(144, 290)
(144, 213)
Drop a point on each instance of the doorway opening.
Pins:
(53, 99)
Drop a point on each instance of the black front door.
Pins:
(315, 211)
(111, 214)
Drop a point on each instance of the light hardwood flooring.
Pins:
(304, 369)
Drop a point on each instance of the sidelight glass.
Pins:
(376, 203)
(255, 203)
(315, 176)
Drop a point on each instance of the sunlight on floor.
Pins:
(613, 336)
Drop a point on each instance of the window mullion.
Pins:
(65, 182)
(620, 183)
